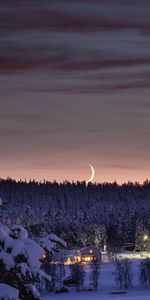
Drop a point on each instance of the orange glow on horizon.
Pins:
(60, 179)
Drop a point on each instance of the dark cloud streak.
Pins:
(61, 21)
(63, 63)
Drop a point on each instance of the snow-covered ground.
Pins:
(107, 285)
(99, 296)
(134, 255)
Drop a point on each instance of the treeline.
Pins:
(80, 214)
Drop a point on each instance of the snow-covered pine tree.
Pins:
(95, 235)
(20, 262)
(52, 245)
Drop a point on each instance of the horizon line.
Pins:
(44, 181)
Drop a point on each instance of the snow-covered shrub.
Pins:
(123, 273)
(20, 262)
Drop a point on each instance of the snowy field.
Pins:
(107, 285)
(100, 296)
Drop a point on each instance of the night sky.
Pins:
(75, 89)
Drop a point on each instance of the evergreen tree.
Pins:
(20, 262)
(52, 245)
(142, 237)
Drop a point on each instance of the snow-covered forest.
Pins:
(79, 214)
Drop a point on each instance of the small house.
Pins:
(86, 255)
(90, 254)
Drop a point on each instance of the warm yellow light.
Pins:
(77, 258)
(87, 258)
(68, 262)
(145, 238)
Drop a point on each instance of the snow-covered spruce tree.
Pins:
(52, 245)
(95, 235)
(20, 262)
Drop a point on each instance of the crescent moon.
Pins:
(93, 174)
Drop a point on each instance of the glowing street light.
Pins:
(145, 237)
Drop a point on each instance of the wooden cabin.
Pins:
(90, 255)
(86, 255)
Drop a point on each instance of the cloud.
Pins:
(75, 15)
(123, 167)
(74, 36)
(26, 61)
